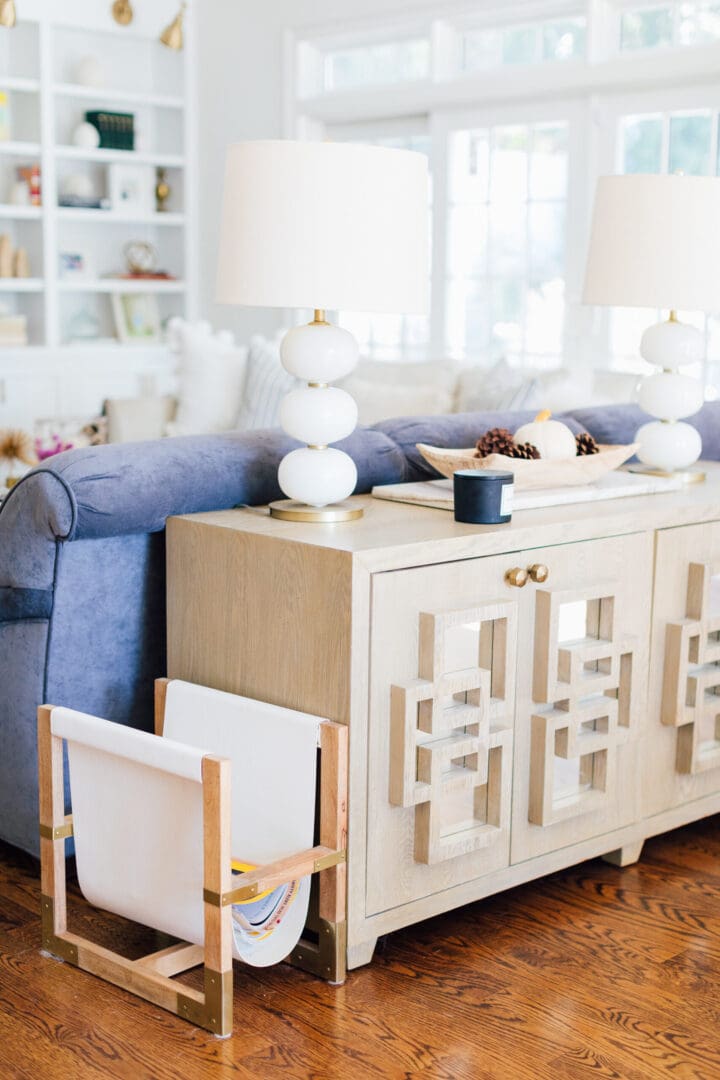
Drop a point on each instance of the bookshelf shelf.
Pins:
(110, 96)
(16, 148)
(121, 285)
(21, 285)
(103, 156)
(20, 213)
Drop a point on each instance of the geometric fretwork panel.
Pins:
(691, 685)
(451, 731)
(585, 684)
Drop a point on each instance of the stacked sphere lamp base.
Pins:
(318, 478)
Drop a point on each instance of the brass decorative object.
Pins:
(172, 35)
(122, 12)
(8, 16)
(162, 191)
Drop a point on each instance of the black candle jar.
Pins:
(483, 496)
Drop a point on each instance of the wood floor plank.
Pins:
(596, 972)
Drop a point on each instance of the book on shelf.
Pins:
(80, 202)
(13, 330)
(116, 130)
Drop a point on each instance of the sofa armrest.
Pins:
(133, 419)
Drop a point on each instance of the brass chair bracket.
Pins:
(215, 1012)
(327, 958)
(57, 832)
(56, 946)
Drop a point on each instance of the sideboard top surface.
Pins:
(392, 534)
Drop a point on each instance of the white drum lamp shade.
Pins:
(655, 242)
(324, 226)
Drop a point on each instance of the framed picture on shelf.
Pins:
(137, 318)
(72, 264)
(132, 189)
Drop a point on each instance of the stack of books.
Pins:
(116, 130)
(13, 330)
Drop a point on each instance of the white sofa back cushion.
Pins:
(266, 384)
(211, 378)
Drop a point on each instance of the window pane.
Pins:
(642, 144)
(646, 29)
(520, 45)
(508, 239)
(468, 240)
(548, 162)
(507, 314)
(470, 167)
(698, 23)
(546, 235)
(544, 318)
(388, 62)
(690, 138)
(564, 40)
(468, 318)
(509, 165)
(482, 49)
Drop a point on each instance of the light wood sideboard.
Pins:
(498, 731)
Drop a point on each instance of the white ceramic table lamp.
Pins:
(656, 243)
(324, 226)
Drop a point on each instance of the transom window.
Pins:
(669, 25)
(524, 43)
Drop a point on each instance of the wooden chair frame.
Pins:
(151, 977)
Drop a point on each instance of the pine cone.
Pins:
(527, 451)
(496, 441)
(586, 444)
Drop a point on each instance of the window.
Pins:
(669, 25)
(528, 43)
(506, 243)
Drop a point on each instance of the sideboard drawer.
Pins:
(442, 703)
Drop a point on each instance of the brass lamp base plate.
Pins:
(688, 476)
(290, 510)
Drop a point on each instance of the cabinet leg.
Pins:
(626, 855)
(361, 953)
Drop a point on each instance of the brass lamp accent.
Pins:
(172, 35)
(8, 17)
(122, 12)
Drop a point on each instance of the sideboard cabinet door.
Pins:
(682, 752)
(442, 700)
(582, 680)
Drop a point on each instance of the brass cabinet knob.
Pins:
(538, 572)
(517, 576)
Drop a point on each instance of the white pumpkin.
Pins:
(554, 441)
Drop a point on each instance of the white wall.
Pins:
(240, 76)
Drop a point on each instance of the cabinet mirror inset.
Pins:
(582, 679)
(451, 731)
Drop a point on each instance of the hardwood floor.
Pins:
(595, 971)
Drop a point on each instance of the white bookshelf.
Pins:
(38, 70)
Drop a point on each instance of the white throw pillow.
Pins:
(266, 384)
(385, 390)
(211, 377)
(493, 389)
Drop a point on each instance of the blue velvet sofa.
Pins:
(82, 561)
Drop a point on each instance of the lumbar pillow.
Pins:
(266, 384)
(211, 378)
